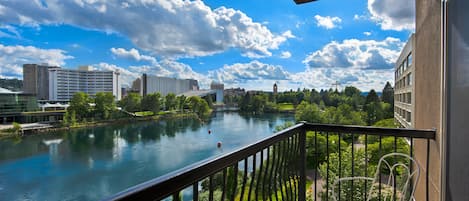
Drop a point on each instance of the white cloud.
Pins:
(327, 22)
(126, 77)
(285, 55)
(12, 58)
(354, 53)
(174, 28)
(359, 17)
(367, 33)
(393, 14)
(7, 31)
(132, 54)
(323, 78)
(244, 72)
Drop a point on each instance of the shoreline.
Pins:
(58, 127)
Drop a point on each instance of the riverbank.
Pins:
(8, 132)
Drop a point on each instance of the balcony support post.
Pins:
(302, 146)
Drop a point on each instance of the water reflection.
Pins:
(88, 164)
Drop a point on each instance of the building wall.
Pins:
(66, 82)
(428, 92)
(165, 85)
(404, 85)
(36, 80)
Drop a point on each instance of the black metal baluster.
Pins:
(428, 170)
(223, 190)
(272, 167)
(251, 185)
(316, 155)
(235, 182)
(411, 164)
(291, 166)
(283, 165)
(379, 168)
(176, 196)
(265, 173)
(302, 149)
(276, 177)
(327, 172)
(353, 165)
(210, 188)
(285, 169)
(195, 191)
(395, 177)
(296, 169)
(366, 166)
(245, 176)
(340, 164)
(260, 174)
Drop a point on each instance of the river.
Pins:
(90, 164)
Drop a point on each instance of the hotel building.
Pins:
(64, 83)
(404, 86)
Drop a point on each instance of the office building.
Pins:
(404, 86)
(36, 80)
(165, 85)
(64, 83)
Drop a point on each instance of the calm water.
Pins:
(90, 164)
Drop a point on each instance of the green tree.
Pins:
(170, 101)
(199, 106)
(80, 104)
(388, 94)
(307, 112)
(209, 100)
(105, 104)
(152, 102)
(372, 97)
(131, 103)
(181, 101)
(374, 112)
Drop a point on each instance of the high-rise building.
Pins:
(166, 85)
(36, 80)
(64, 83)
(404, 86)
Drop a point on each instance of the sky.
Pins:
(240, 43)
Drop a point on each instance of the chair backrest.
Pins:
(396, 176)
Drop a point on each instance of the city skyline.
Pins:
(242, 45)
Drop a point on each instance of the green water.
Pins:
(91, 164)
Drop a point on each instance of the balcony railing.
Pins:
(280, 166)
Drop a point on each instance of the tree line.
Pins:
(349, 106)
(103, 106)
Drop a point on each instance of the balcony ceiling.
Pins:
(303, 1)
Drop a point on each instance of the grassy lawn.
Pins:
(285, 107)
(144, 113)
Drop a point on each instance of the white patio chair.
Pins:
(395, 184)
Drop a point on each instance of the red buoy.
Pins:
(219, 144)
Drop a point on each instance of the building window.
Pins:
(409, 79)
(409, 59)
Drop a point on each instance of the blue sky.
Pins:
(248, 44)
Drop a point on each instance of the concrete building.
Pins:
(219, 91)
(404, 86)
(165, 85)
(36, 80)
(64, 83)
